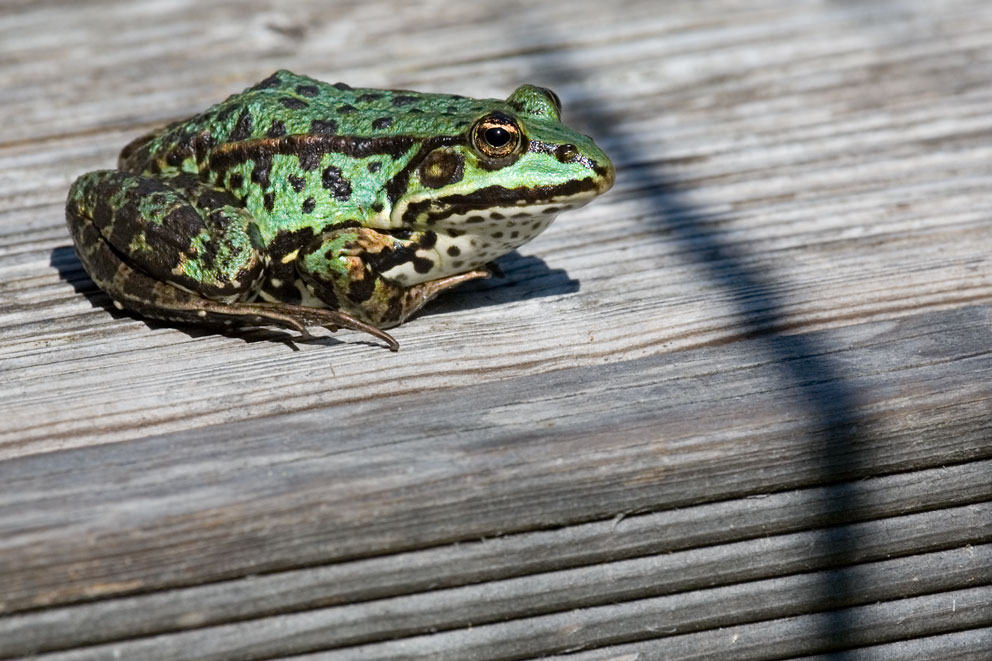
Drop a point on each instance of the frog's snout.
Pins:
(605, 175)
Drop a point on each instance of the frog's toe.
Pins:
(332, 320)
(345, 320)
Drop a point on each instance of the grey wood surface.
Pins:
(738, 408)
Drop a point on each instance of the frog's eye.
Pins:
(496, 135)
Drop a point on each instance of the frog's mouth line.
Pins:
(430, 211)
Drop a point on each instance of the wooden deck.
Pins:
(739, 408)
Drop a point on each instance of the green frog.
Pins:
(298, 203)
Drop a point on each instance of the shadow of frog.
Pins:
(516, 278)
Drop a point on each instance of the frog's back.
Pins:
(289, 104)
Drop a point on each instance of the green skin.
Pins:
(297, 203)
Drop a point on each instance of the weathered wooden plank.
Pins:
(863, 625)
(293, 491)
(971, 645)
(836, 181)
(600, 590)
(625, 548)
(907, 618)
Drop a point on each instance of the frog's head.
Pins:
(506, 176)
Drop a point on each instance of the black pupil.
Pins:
(497, 136)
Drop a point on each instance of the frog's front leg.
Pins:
(174, 248)
(377, 277)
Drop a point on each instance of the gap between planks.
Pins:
(630, 558)
(947, 603)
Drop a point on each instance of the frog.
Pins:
(300, 204)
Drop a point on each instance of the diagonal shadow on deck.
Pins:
(760, 313)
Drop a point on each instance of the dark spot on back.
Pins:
(293, 103)
(382, 122)
(298, 183)
(224, 114)
(278, 129)
(175, 157)
(308, 205)
(260, 173)
(307, 90)
(202, 144)
(242, 129)
(269, 200)
(309, 158)
(214, 199)
(346, 109)
(374, 166)
(368, 96)
(324, 126)
(271, 81)
(341, 86)
(236, 181)
(335, 182)
(403, 100)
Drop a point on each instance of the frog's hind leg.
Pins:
(180, 251)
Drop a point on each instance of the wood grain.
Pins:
(907, 618)
(738, 408)
(565, 554)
